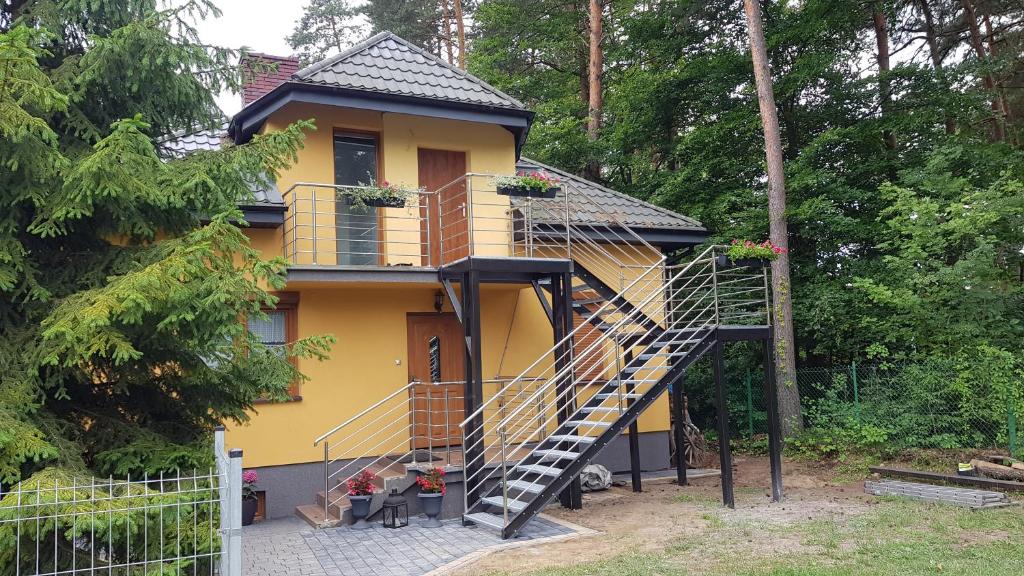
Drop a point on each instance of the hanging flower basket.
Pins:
(748, 254)
(532, 185)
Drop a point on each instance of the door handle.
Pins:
(463, 206)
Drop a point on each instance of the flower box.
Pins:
(724, 262)
(376, 201)
(528, 191)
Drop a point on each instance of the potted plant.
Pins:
(360, 492)
(249, 500)
(382, 195)
(432, 489)
(530, 185)
(748, 254)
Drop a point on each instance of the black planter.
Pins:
(725, 262)
(431, 505)
(360, 510)
(377, 202)
(528, 191)
(249, 506)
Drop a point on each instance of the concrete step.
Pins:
(315, 517)
(338, 499)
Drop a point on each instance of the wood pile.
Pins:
(999, 467)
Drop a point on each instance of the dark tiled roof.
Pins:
(388, 64)
(631, 211)
(265, 193)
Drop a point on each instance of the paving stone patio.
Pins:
(290, 547)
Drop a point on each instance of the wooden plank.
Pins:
(949, 478)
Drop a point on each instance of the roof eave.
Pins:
(249, 120)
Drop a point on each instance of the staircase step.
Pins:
(599, 409)
(588, 301)
(587, 424)
(485, 519)
(338, 501)
(616, 395)
(314, 516)
(572, 438)
(539, 469)
(650, 355)
(552, 454)
(513, 504)
(524, 486)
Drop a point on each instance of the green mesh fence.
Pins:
(895, 405)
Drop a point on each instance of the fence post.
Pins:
(856, 390)
(750, 407)
(234, 506)
(1011, 424)
(223, 472)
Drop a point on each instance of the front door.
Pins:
(437, 359)
(448, 223)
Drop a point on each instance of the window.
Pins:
(358, 233)
(279, 328)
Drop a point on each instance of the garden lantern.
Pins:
(396, 510)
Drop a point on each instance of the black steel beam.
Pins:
(450, 291)
(507, 269)
(561, 297)
(774, 431)
(634, 436)
(543, 301)
(473, 450)
(722, 409)
(737, 332)
(680, 434)
(616, 298)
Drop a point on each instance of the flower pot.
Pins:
(360, 510)
(724, 262)
(375, 202)
(430, 502)
(249, 506)
(527, 191)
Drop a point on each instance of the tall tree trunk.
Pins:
(884, 90)
(932, 37)
(993, 51)
(785, 347)
(460, 27)
(446, 35)
(596, 68)
(979, 50)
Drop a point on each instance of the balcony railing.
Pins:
(327, 226)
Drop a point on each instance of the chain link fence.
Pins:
(879, 406)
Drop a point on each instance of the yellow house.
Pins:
(506, 329)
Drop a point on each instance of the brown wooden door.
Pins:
(447, 209)
(436, 354)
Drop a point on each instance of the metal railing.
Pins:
(414, 425)
(332, 225)
(185, 523)
(688, 302)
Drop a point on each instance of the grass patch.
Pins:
(897, 538)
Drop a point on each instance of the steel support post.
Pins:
(724, 452)
(473, 456)
(774, 429)
(680, 434)
(561, 291)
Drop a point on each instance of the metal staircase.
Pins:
(639, 339)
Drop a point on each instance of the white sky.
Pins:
(259, 25)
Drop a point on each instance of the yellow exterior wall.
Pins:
(370, 359)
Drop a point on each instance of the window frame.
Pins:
(288, 302)
(378, 177)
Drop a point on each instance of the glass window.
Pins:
(434, 353)
(272, 331)
(355, 164)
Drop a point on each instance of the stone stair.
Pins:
(390, 475)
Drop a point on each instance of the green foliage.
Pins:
(124, 275)
(324, 30)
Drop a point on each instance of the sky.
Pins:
(259, 25)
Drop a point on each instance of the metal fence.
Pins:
(889, 405)
(182, 523)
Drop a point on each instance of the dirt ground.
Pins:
(666, 514)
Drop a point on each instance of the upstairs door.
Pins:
(448, 223)
(357, 226)
(436, 355)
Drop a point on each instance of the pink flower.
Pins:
(250, 477)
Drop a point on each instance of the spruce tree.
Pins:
(125, 277)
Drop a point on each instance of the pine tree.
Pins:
(124, 277)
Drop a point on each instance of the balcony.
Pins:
(329, 226)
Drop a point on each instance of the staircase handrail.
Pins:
(378, 404)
